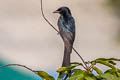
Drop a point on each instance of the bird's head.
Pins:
(63, 11)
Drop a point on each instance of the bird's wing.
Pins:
(67, 31)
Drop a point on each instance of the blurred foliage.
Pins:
(44, 75)
(73, 73)
(115, 4)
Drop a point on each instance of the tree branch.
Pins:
(20, 66)
(46, 18)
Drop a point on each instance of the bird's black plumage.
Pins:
(66, 25)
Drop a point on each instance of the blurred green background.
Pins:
(115, 5)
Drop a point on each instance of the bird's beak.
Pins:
(56, 11)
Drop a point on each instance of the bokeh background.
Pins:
(25, 37)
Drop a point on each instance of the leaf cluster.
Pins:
(74, 73)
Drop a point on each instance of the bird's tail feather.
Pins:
(66, 58)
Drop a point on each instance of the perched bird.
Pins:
(66, 25)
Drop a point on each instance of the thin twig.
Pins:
(80, 58)
(58, 31)
(20, 66)
(46, 18)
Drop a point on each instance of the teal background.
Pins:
(18, 73)
(9, 73)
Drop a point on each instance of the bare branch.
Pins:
(80, 58)
(20, 66)
(46, 18)
(58, 31)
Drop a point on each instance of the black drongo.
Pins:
(66, 25)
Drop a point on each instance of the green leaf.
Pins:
(62, 69)
(115, 59)
(93, 62)
(108, 76)
(61, 76)
(73, 66)
(114, 72)
(45, 75)
(67, 69)
(82, 75)
(101, 59)
(111, 71)
(89, 78)
(78, 75)
(106, 63)
(97, 70)
(112, 62)
(118, 74)
(105, 60)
